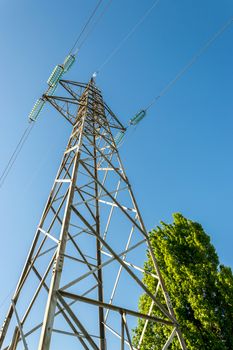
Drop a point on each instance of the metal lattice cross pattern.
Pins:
(89, 246)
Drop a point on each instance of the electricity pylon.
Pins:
(80, 285)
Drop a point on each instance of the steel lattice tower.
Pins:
(80, 285)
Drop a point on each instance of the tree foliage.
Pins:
(201, 291)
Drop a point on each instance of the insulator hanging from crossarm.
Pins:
(68, 63)
(53, 81)
(138, 117)
(51, 90)
(119, 138)
(55, 75)
(60, 69)
(38, 106)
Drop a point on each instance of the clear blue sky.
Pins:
(180, 157)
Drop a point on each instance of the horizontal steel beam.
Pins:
(114, 307)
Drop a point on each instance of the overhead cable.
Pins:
(61, 69)
(138, 117)
(191, 62)
(85, 26)
(53, 80)
(127, 36)
(94, 24)
(15, 154)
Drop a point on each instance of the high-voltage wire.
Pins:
(15, 154)
(135, 120)
(85, 26)
(94, 24)
(56, 75)
(191, 62)
(127, 36)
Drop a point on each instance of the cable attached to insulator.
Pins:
(52, 82)
(134, 121)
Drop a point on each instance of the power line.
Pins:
(136, 119)
(15, 153)
(95, 23)
(127, 36)
(12, 156)
(28, 129)
(85, 26)
(191, 62)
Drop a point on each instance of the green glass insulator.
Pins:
(119, 137)
(68, 63)
(36, 109)
(137, 118)
(55, 75)
(51, 90)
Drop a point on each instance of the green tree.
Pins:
(201, 291)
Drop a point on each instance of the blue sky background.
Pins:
(180, 157)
